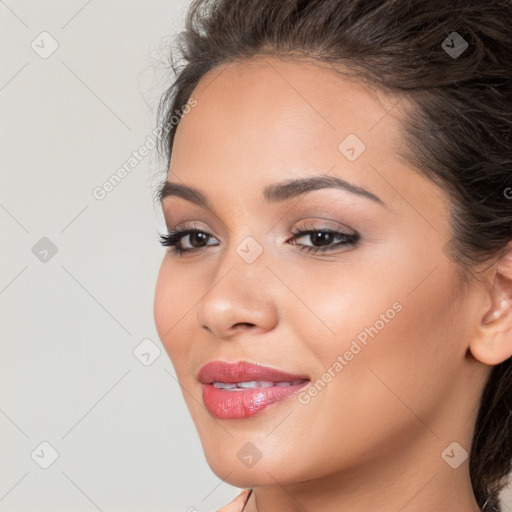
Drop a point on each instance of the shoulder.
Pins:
(238, 504)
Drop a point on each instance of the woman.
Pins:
(336, 298)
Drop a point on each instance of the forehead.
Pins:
(268, 119)
(273, 78)
(279, 94)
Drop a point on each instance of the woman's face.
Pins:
(377, 323)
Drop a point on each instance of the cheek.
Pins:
(383, 320)
(170, 309)
(334, 305)
(399, 350)
(389, 387)
(400, 311)
(162, 303)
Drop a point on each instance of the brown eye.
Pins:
(324, 240)
(197, 240)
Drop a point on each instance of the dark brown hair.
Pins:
(457, 129)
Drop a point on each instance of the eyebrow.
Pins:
(272, 193)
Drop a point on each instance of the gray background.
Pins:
(74, 372)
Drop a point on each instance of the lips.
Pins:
(240, 390)
(219, 371)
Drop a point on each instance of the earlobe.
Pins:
(492, 344)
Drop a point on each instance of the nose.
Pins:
(239, 298)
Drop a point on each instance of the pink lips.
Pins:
(243, 389)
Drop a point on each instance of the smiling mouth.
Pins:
(242, 389)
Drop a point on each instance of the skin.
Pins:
(372, 438)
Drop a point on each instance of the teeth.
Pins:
(252, 384)
(224, 385)
(255, 384)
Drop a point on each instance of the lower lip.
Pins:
(243, 404)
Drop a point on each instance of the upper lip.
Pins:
(242, 371)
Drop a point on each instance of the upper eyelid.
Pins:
(323, 218)
(325, 224)
(312, 204)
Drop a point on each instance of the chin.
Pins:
(239, 464)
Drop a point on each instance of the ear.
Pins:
(492, 344)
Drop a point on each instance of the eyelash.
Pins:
(174, 236)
